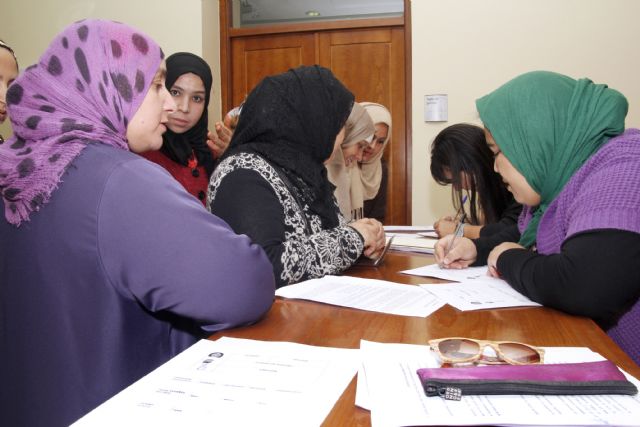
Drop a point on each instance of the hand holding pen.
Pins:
(454, 250)
(448, 224)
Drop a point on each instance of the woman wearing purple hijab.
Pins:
(93, 297)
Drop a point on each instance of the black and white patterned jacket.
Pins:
(248, 193)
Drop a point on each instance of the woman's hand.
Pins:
(219, 141)
(444, 226)
(462, 254)
(372, 232)
(492, 261)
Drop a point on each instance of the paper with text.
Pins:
(365, 294)
(413, 228)
(234, 382)
(476, 290)
(396, 397)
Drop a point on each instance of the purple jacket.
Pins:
(119, 272)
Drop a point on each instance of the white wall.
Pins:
(467, 48)
(177, 25)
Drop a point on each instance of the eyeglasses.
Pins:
(468, 350)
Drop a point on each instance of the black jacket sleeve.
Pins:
(484, 244)
(248, 203)
(509, 217)
(596, 274)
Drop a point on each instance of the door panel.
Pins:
(254, 58)
(371, 64)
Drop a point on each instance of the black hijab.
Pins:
(178, 147)
(292, 120)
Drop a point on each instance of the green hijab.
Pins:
(548, 125)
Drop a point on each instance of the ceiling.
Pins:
(264, 11)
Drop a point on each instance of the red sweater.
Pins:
(195, 185)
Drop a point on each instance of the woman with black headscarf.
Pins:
(184, 151)
(272, 182)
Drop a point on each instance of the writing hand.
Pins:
(462, 254)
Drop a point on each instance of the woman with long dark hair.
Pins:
(460, 157)
(561, 145)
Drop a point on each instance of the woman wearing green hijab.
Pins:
(561, 147)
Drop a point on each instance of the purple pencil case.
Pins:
(568, 378)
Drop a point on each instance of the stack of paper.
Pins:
(389, 386)
(413, 243)
(234, 382)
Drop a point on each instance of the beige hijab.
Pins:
(349, 191)
(371, 171)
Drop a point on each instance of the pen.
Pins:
(461, 208)
(457, 233)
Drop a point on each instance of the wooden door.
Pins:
(254, 58)
(371, 64)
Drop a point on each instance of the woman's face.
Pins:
(336, 144)
(371, 150)
(8, 73)
(353, 153)
(145, 130)
(515, 181)
(189, 94)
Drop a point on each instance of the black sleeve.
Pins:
(377, 207)
(484, 244)
(508, 218)
(236, 202)
(250, 206)
(596, 274)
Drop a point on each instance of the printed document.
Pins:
(476, 290)
(396, 397)
(365, 294)
(234, 382)
(413, 228)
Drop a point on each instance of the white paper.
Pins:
(234, 382)
(431, 234)
(397, 398)
(476, 290)
(365, 294)
(457, 275)
(408, 228)
(479, 295)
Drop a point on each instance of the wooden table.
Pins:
(324, 325)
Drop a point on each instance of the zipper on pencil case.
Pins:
(455, 390)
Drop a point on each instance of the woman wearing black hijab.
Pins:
(184, 151)
(272, 183)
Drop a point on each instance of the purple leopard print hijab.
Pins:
(85, 88)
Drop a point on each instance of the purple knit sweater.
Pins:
(603, 193)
